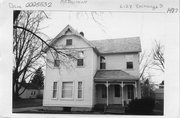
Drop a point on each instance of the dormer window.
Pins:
(68, 42)
(102, 62)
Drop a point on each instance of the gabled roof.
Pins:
(63, 32)
(113, 75)
(120, 45)
(106, 46)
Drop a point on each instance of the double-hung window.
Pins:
(129, 61)
(80, 90)
(80, 60)
(54, 90)
(67, 89)
(102, 62)
(56, 63)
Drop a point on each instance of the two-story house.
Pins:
(106, 72)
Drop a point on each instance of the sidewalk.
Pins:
(16, 110)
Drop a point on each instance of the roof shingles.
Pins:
(113, 75)
(120, 45)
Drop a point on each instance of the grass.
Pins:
(41, 111)
(21, 103)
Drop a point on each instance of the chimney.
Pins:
(82, 34)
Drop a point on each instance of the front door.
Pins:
(116, 94)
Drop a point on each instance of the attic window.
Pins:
(69, 42)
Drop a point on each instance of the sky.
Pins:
(108, 25)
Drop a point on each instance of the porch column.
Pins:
(122, 85)
(135, 89)
(107, 92)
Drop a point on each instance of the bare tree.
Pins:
(28, 47)
(145, 62)
(95, 16)
(158, 56)
(153, 60)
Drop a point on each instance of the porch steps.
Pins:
(115, 109)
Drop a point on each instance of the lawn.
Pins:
(27, 103)
(23, 103)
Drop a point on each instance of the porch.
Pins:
(115, 93)
(115, 88)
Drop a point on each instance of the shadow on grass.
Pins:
(20, 103)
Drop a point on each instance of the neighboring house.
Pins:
(30, 91)
(159, 94)
(106, 72)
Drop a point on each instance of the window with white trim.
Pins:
(68, 42)
(67, 89)
(80, 89)
(129, 61)
(54, 95)
(33, 93)
(56, 63)
(102, 62)
(129, 65)
(80, 60)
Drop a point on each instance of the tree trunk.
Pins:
(15, 84)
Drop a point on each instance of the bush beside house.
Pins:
(99, 107)
(159, 99)
(141, 106)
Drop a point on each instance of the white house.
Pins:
(106, 72)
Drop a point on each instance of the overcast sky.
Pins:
(148, 26)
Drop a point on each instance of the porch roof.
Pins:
(113, 76)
